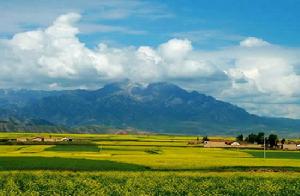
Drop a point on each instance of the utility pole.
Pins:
(264, 146)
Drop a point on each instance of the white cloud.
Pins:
(175, 49)
(254, 72)
(253, 42)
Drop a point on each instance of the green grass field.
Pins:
(143, 165)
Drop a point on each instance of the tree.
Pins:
(240, 138)
(205, 138)
(260, 138)
(273, 140)
(282, 142)
(251, 138)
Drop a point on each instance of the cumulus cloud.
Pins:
(253, 42)
(253, 72)
(175, 49)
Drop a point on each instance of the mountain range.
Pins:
(157, 107)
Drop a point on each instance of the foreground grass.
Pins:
(148, 183)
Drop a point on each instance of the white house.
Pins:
(235, 144)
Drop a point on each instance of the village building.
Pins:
(215, 144)
(289, 147)
(21, 139)
(235, 144)
(49, 139)
(66, 139)
(38, 139)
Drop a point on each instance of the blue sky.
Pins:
(241, 51)
(210, 23)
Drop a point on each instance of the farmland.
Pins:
(147, 183)
(142, 164)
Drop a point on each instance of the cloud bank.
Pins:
(253, 73)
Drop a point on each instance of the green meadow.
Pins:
(142, 165)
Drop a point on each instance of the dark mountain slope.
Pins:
(29, 125)
(160, 107)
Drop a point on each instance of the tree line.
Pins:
(272, 140)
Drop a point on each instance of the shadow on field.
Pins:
(74, 148)
(240, 169)
(275, 154)
(72, 164)
(55, 163)
(258, 168)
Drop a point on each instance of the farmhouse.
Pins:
(235, 144)
(21, 139)
(49, 139)
(66, 139)
(289, 147)
(38, 139)
(215, 144)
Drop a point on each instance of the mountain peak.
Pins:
(165, 88)
(123, 86)
(162, 85)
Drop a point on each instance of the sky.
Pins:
(241, 51)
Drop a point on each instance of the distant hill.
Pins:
(160, 107)
(29, 125)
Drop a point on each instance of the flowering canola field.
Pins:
(143, 165)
